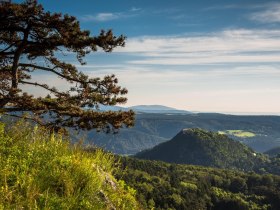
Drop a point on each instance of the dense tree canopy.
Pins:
(162, 185)
(33, 40)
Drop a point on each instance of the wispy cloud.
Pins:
(167, 11)
(248, 6)
(223, 7)
(135, 9)
(178, 17)
(102, 17)
(108, 16)
(271, 14)
(229, 46)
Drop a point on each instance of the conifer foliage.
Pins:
(33, 40)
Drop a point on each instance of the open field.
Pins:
(238, 133)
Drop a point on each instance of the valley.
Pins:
(261, 133)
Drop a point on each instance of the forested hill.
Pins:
(199, 147)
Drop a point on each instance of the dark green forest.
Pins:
(162, 185)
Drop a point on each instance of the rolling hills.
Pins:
(262, 132)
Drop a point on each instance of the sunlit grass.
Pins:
(41, 170)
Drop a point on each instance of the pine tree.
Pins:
(30, 41)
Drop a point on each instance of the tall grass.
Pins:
(41, 170)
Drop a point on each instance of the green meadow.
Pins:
(238, 133)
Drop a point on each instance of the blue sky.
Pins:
(216, 56)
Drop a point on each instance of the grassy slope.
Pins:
(42, 171)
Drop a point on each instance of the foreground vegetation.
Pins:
(40, 170)
(161, 185)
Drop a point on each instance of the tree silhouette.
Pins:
(33, 40)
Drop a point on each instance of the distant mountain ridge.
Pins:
(157, 109)
(199, 147)
(145, 109)
(152, 107)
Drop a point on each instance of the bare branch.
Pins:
(25, 117)
(45, 86)
(50, 70)
(2, 51)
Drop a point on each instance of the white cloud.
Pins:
(139, 71)
(270, 15)
(101, 17)
(208, 60)
(229, 46)
(135, 9)
(223, 7)
(108, 16)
